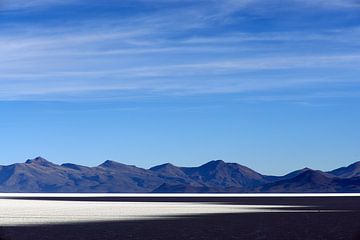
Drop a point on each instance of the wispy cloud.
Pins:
(332, 3)
(214, 9)
(317, 98)
(31, 4)
(175, 51)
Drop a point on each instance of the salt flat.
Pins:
(39, 209)
(179, 216)
(15, 212)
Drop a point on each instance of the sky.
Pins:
(273, 85)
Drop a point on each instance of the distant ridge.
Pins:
(352, 170)
(217, 176)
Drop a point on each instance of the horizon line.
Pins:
(164, 195)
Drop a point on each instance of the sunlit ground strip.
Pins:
(27, 212)
(195, 195)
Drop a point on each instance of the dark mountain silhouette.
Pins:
(305, 180)
(40, 175)
(287, 176)
(183, 188)
(352, 170)
(313, 181)
(174, 176)
(217, 174)
(293, 174)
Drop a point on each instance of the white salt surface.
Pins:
(26, 212)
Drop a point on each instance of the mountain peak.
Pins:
(214, 163)
(109, 163)
(352, 170)
(313, 176)
(163, 166)
(73, 166)
(305, 169)
(114, 164)
(355, 164)
(219, 161)
(39, 161)
(168, 169)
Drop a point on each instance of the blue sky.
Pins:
(273, 85)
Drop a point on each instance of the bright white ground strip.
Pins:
(28, 212)
(150, 195)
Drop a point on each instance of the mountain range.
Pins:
(41, 175)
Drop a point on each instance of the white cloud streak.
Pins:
(10, 5)
(332, 3)
(107, 56)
